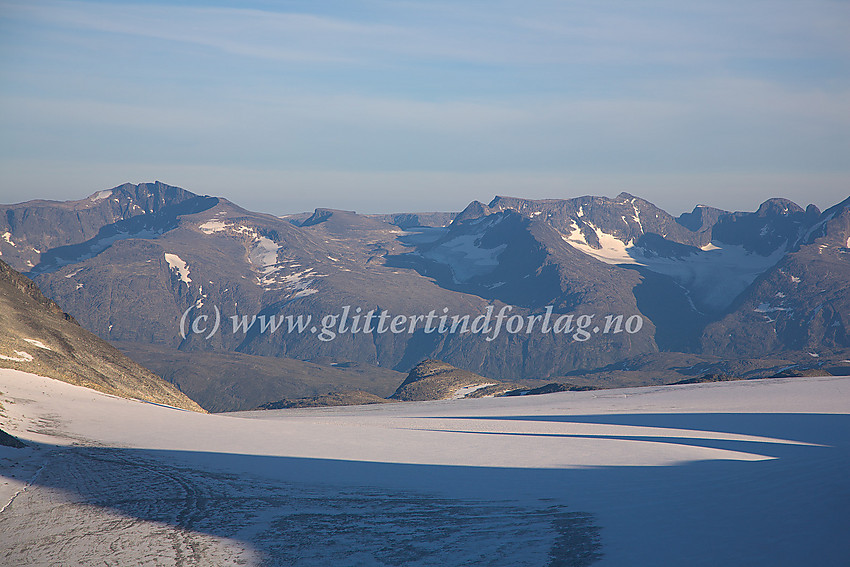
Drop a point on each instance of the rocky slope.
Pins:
(37, 336)
(437, 380)
(351, 398)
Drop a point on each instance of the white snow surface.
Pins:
(212, 226)
(613, 251)
(179, 267)
(733, 473)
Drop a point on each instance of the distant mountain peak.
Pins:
(778, 206)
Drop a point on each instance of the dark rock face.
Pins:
(550, 388)
(706, 378)
(802, 303)
(130, 262)
(37, 337)
(415, 220)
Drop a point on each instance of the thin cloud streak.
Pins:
(573, 33)
(463, 89)
(712, 121)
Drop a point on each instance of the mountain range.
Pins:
(746, 293)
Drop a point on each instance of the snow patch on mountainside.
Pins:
(636, 216)
(38, 344)
(179, 267)
(20, 356)
(262, 255)
(768, 308)
(461, 393)
(716, 276)
(7, 236)
(100, 196)
(297, 283)
(214, 225)
(612, 251)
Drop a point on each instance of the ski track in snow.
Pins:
(141, 511)
(734, 473)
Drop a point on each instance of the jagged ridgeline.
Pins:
(707, 285)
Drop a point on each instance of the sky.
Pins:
(382, 106)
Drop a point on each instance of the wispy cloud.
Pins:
(483, 32)
(247, 32)
(547, 88)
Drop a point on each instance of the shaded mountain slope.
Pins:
(802, 303)
(233, 381)
(37, 337)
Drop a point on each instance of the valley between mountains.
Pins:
(734, 294)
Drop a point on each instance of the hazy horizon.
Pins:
(381, 106)
(485, 200)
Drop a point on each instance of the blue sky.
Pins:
(381, 106)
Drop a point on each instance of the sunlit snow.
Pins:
(731, 473)
(38, 344)
(20, 356)
(179, 267)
